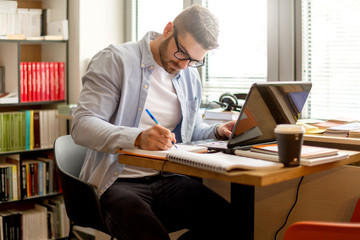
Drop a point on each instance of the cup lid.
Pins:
(289, 128)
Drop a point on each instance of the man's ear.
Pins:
(168, 30)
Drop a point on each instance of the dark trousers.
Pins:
(151, 207)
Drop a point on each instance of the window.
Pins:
(154, 15)
(331, 57)
(241, 58)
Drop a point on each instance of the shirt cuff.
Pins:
(216, 132)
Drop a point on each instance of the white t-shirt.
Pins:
(163, 103)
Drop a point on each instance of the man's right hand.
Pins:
(155, 138)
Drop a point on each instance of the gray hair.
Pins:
(201, 24)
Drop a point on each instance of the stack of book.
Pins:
(43, 221)
(310, 155)
(66, 109)
(342, 130)
(217, 115)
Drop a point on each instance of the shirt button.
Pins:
(140, 108)
(142, 65)
(151, 67)
(146, 86)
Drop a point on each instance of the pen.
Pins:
(153, 118)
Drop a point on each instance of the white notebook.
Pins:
(303, 161)
(220, 162)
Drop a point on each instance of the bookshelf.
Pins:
(29, 125)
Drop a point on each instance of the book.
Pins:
(220, 162)
(303, 161)
(342, 130)
(163, 153)
(325, 125)
(221, 114)
(343, 120)
(306, 151)
(354, 133)
(7, 97)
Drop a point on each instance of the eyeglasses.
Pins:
(182, 56)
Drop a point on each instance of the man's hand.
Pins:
(224, 130)
(155, 138)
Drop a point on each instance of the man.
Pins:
(157, 73)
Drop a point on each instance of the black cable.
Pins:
(296, 199)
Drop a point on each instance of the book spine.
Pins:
(52, 80)
(61, 80)
(29, 78)
(56, 81)
(15, 182)
(25, 81)
(22, 87)
(37, 129)
(23, 182)
(40, 175)
(34, 81)
(47, 81)
(38, 81)
(43, 81)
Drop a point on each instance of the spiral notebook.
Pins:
(220, 162)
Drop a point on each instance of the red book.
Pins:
(52, 80)
(22, 86)
(38, 81)
(61, 80)
(43, 82)
(34, 81)
(25, 75)
(56, 80)
(47, 81)
(30, 90)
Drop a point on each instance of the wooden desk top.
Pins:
(252, 177)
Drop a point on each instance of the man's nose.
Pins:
(183, 64)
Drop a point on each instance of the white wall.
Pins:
(94, 25)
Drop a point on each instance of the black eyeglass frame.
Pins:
(192, 62)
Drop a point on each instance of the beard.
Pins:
(169, 65)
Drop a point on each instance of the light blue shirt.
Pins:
(115, 87)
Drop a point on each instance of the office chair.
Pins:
(81, 202)
(316, 230)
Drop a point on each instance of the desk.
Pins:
(242, 182)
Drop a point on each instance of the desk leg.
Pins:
(243, 203)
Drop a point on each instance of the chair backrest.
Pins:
(311, 230)
(81, 202)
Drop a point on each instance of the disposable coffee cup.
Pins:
(289, 139)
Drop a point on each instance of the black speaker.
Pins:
(229, 102)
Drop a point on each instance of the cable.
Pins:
(296, 199)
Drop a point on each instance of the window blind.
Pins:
(331, 57)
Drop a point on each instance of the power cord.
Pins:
(296, 199)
